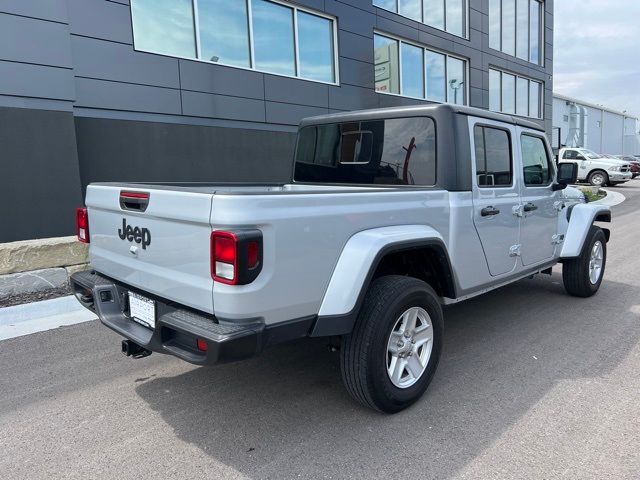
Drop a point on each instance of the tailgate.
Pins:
(162, 247)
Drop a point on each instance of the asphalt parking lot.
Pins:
(532, 384)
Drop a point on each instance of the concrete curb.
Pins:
(46, 308)
(612, 198)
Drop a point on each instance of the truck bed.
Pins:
(304, 227)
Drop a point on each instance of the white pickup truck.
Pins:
(598, 170)
(390, 215)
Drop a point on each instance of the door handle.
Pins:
(489, 211)
(530, 207)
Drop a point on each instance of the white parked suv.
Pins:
(596, 169)
(389, 215)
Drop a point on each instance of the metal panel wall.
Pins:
(134, 109)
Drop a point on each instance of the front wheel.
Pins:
(598, 178)
(582, 275)
(390, 357)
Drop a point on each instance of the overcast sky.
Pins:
(597, 52)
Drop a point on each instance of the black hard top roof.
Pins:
(417, 110)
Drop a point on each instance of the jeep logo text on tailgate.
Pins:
(135, 234)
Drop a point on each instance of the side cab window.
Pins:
(494, 163)
(569, 154)
(537, 169)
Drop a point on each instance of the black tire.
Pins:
(592, 176)
(363, 351)
(576, 272)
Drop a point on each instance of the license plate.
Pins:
(142, 310)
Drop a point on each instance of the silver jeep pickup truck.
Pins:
(390, 214)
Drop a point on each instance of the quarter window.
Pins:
(264, 35)
(493, 157)
(397, 151)
(447, 15)
(536, 166)
(406, 69)
(515, 28)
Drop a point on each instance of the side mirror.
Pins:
(580, 157)
(567, 175)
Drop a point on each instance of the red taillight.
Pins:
(252, 254)
(82, 225)
(225, 248)
(236, 257)
(201, 344)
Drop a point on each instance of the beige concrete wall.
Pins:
(28, 255)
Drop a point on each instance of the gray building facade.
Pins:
(82, 99)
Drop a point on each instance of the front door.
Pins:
(540, 210)
(496, 194)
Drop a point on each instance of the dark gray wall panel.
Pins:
(288, 114)
(357, 73)
(357, 47)
(36, 103)
(34, 41)
(198, 104)
(100, 19)
(352, 19)
(40, 182)
(120, 150)
(205, 77)
(125, 96)
(54, 10)
(300, 92)
(114, 61)
(24, 80)
(348, 97)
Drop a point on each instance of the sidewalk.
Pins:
(41, 316)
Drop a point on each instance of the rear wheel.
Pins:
(582, 276)
(598, 178)
(390, 357)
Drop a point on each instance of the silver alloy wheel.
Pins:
(409, 347)
(597, 179)
(595, 262)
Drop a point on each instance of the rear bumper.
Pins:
(178, 327)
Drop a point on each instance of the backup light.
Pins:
(82, 225)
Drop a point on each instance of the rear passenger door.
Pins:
(496, 194)
(540, 207)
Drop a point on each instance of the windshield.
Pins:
(589, 154)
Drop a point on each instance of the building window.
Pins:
(515, 95)
(403, 68)
(263, 35)
(447, 15)
(165, 26)
(515, 28)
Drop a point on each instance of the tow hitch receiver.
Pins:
(132, 349)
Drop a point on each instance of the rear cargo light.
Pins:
(236, 257)
(82, 225)
(143, 195)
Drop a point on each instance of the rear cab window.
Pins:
(394, 151)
